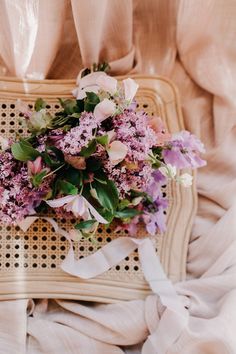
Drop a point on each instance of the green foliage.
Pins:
(127, 213)
(24, 151)
(53, 159)
(69, 105)
(96, 67)
(103, 139)
(82, 225)
(107, 195)
(88, 151)
(39, 104)
(66, 187)
(37, 179)
(93, 164)
(91, 101)
(73, 176)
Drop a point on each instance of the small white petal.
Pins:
(185, 180)
(57, 203)
(4, 143)
(117, 152)
(107, 83)
(104, 109)
(87, 84)
(136, 201)
(168, 171)
(130, 87)
(93, 193)
(95, 214)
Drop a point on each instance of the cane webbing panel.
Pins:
(30, 262)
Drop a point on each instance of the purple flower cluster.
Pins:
(126, 178)
(18, 197)
(183, 151)
(131, 128)
(79, 137)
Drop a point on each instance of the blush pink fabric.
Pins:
(193, 43)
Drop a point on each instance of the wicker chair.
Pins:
(30, 262)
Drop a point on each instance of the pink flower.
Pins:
(130, 87)
(36, 166)
(104, 109)
(79, 206)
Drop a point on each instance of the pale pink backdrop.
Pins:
(194, 43)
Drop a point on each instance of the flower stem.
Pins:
(52, 172)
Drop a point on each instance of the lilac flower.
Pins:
(79, 137)
(132, 129)
(135, 171)
(156, 181)
(183, 151)
(18, 197)
(156, 222)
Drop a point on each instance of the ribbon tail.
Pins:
(101, 261)
(175, 317)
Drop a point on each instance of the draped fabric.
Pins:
(193, 43)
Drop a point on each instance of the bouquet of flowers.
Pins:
(98, 160)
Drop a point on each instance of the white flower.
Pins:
(87, 83)
(104, 109)
(130, 87)
(107, 83)
(39, 120)
(137, 201)
(117, 152)
(168, 171)
(4, 143)
(79, 206)
(185, 180)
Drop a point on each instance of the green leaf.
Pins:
(24, 151)
(39, 104)
(103, 140)
(107, 195)
(38, 178)
(93, 164)
(67, 187)
(88, 151)
(70, 105)
(73, 176)
(76, 115)
(127, 213)
(91, 101)
(106, 214)
(80, 105)
(123, 204)
(85, 224)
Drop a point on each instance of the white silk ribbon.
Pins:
(175, 317)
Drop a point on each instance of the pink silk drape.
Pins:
(193, 43)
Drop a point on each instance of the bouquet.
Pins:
(99, 160)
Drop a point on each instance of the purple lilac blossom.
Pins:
(79, 137)
(18, 197)
(183, 151)
(156, 223)
(132, 129)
